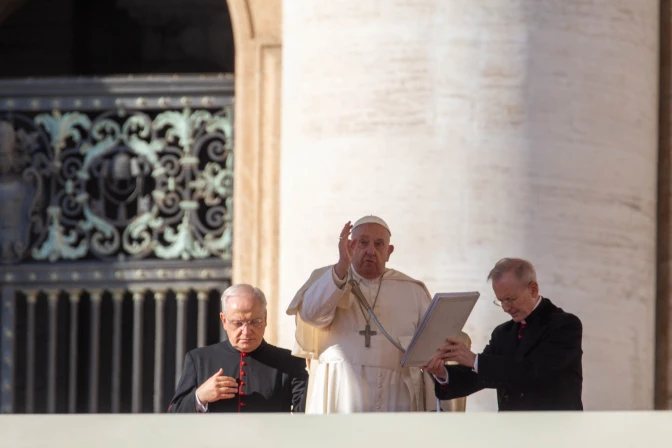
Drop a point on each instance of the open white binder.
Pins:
(444, 318)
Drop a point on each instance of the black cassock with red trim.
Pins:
(269, 379)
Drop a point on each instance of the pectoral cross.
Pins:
(367, 333)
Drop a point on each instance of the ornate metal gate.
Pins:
(115, 237)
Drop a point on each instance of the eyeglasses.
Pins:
(254, 323)
(507, 302)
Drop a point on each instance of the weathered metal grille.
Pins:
(115, 242)
(121, 184)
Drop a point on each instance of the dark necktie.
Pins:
(520, 330)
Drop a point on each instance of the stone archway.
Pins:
(8, 7)
(257, 30)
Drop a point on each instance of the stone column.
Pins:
(481, 130)
(664, 303)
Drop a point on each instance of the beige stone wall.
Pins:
(481, 130)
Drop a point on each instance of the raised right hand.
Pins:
(217, 387)
(345, 252)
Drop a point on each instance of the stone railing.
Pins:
(626, 429)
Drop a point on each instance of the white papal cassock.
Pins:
(345, 375)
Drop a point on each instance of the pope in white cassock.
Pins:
(353, 367)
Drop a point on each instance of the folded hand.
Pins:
(436, 367)
(456, 351)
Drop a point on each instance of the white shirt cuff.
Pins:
(200, 407)
(444, 382)
(441, 380)
(337, 281)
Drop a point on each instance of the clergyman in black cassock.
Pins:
(533, 360)
(243, 373)
(270, 379)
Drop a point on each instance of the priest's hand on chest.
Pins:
(217, 387)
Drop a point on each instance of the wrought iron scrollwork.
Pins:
(120, 185)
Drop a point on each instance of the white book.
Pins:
(445, 318)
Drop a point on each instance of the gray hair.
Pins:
(240, 290)
(522, 269)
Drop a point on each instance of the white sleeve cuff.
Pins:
(200, 407)
(440, 380)
(476, 364)
(337, 281)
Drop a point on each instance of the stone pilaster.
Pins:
(257, 27)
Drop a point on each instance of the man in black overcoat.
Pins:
(244, 373)
(533, 360)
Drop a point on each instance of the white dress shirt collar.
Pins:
(535, 307)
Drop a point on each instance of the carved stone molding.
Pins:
(257, 27)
